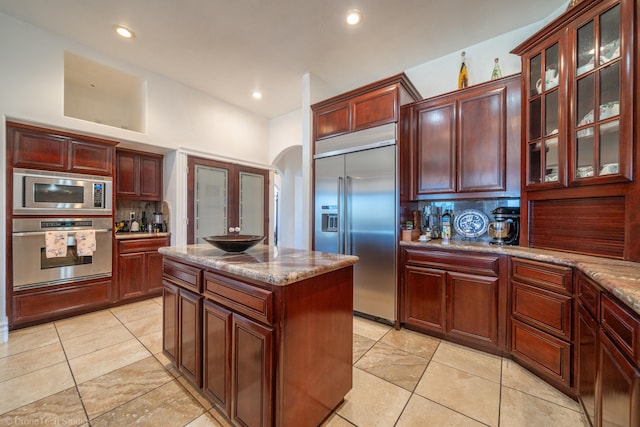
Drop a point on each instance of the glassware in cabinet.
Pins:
(596, 146)
(543, 139)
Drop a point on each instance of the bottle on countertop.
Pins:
(143, 221)
(135, 226)
(446, 227)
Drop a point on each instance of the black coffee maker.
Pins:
(505, 227)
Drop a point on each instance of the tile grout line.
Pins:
(75, 383)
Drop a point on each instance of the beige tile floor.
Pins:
(107, 369)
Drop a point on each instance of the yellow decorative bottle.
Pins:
(463, 77)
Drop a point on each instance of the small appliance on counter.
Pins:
(505, 228)
(158, 224)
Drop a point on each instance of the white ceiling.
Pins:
(228, 48)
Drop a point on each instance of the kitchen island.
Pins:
(266, 334)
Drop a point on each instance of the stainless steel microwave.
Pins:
(52, 193)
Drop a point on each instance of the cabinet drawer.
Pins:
(622, 326)
(182, 275)
(542, 352)
(589, 294)
(468, 262)
(554, 277)
(249, 300)
(543, 309)
(141, 245)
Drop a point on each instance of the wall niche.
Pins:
(97, 93)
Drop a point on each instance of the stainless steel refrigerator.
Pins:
(356, 208)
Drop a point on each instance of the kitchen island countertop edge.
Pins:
(266, 263)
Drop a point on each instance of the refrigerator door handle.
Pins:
(340, 216)
(347, 216)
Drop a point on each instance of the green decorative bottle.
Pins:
(497, 73)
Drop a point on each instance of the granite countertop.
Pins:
(138, 235)
(621, 278)
(265, 263)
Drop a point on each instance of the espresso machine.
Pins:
(157, 223)
(505, 227)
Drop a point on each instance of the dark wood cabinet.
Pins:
(251, 372)
(247, 343)
(371, 105)
(579, 110)
(182, 337)
(587, 358)
(466, 143)
(190, 336)
(38, 148)
(472, 307)
(608, 383)
(619, 386)
(542, 320)
(425, 293)
(138, 175)
(140, 267)
(455, 295)
(170, 320)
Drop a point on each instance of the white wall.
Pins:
(32, 88)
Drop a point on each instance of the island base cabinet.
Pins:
(251, 370)
(181, 339)
(170, 321)
(238, 366)
(620, 387)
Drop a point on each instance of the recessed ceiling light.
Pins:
(124, 32)
(256, 95)
(354, 16)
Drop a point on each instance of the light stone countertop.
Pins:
(139, 235)
(266, 263)
(621, 278)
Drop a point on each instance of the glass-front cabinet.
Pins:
(545, 158)
(579, 84)
(601, 132)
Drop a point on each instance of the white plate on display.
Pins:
(471, 223)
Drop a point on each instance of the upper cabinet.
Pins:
(138, 175)
(465, 143)
(37, 148)
(372, 105)
(578, 117)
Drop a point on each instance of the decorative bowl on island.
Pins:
(234, 242)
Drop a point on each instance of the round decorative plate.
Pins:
(471, 223)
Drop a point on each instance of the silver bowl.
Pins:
(234, 242)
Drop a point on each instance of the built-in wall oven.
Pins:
(34, 267)
(37, 192)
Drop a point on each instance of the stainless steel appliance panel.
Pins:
(329, 182)
(370, 232)
(356, 203)
(31, 268)
(38, 192)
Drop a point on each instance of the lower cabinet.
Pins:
(608, 383)
(259, 351)
(232, 378)
(456, 295)
(140, 267)
(542, 320)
